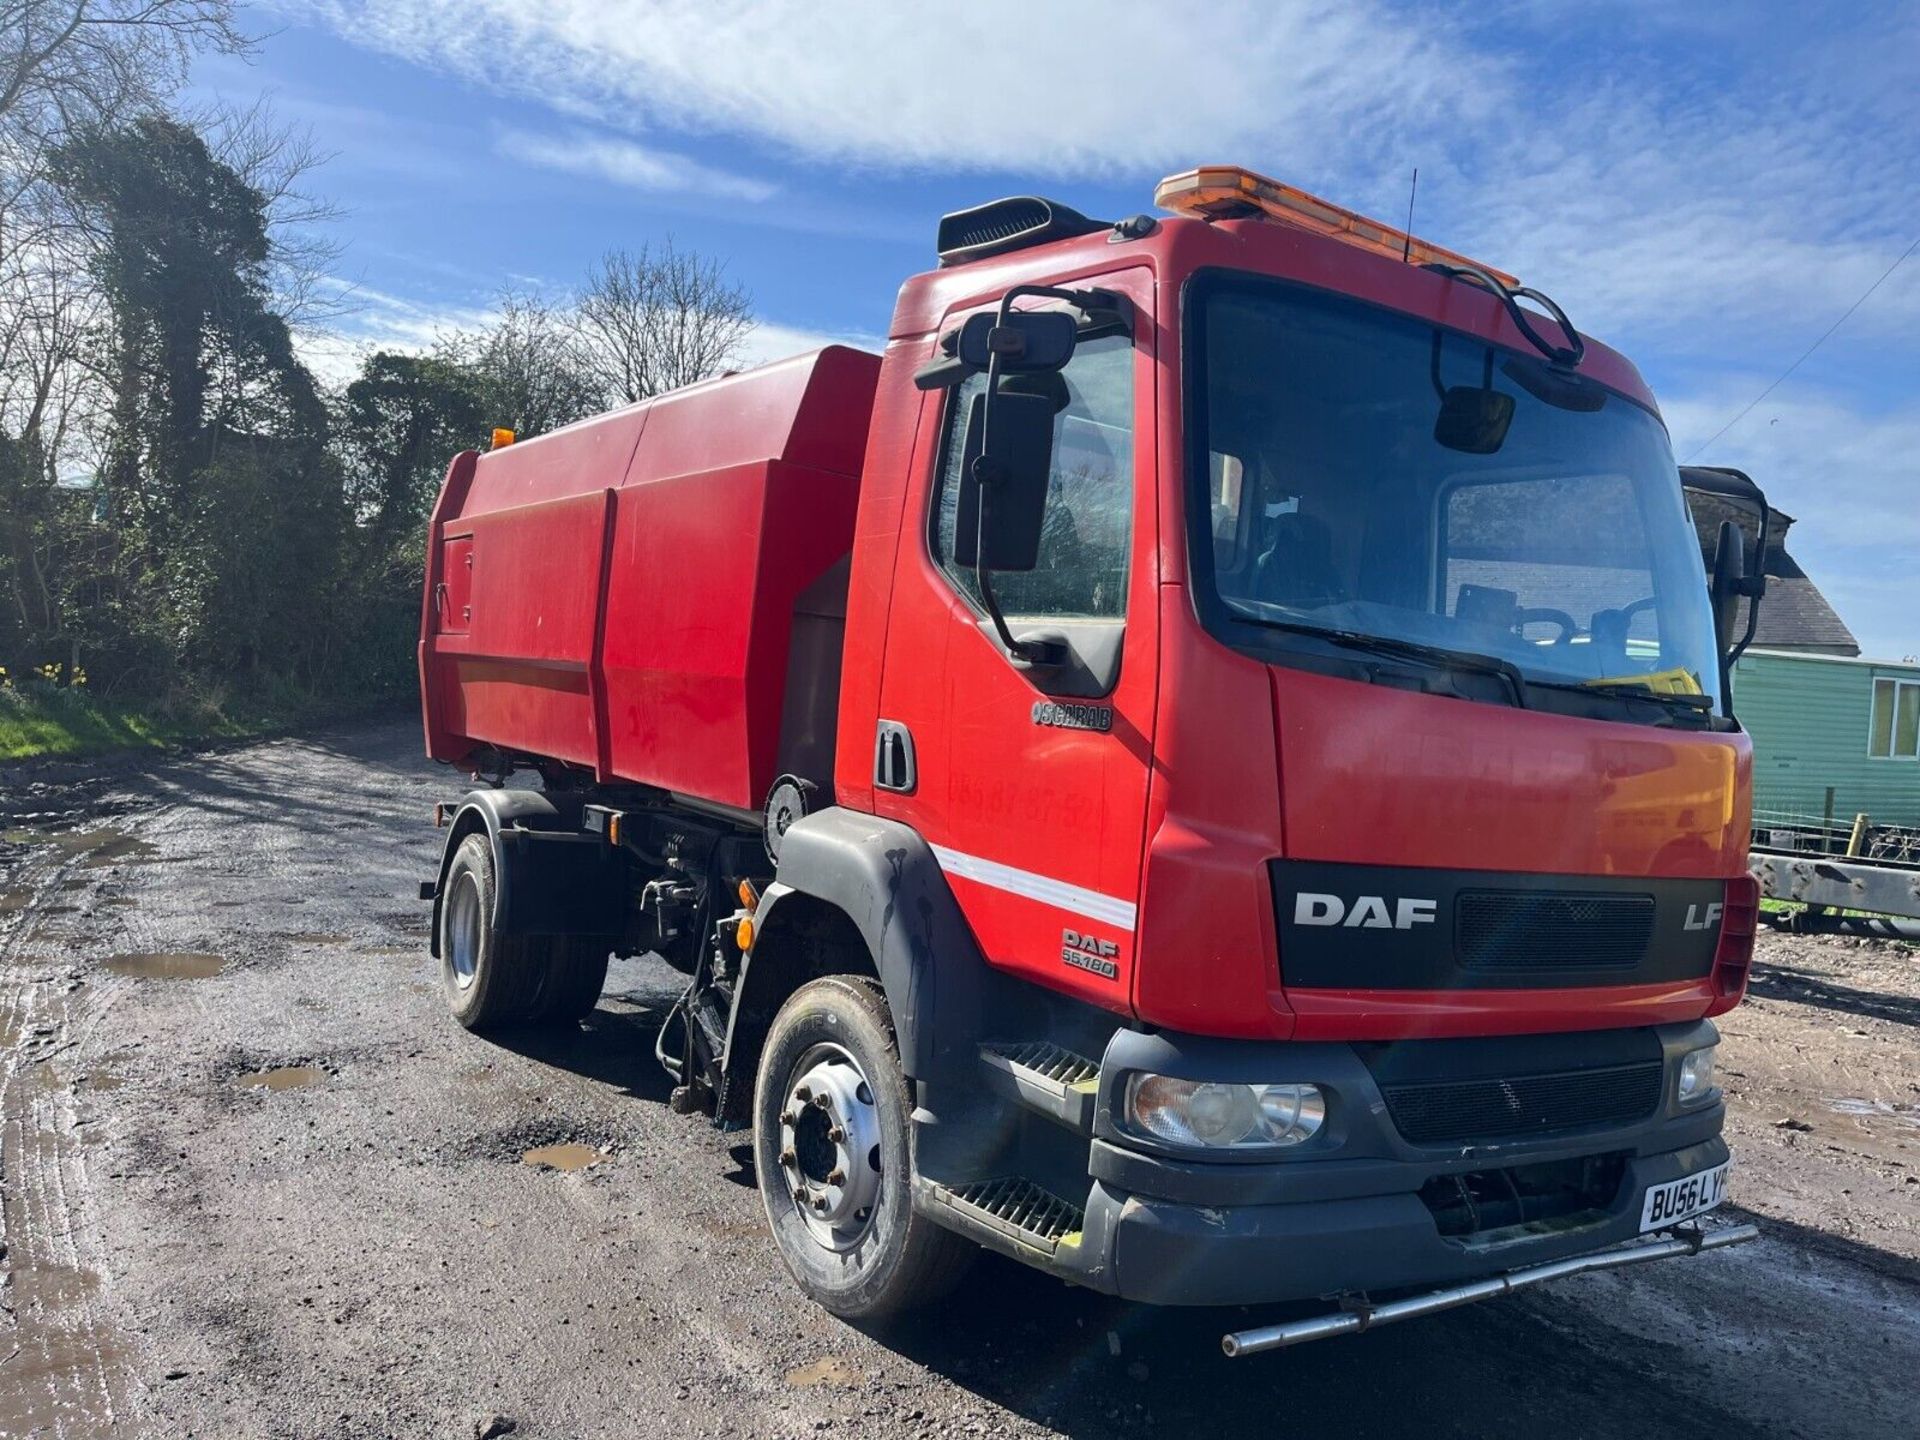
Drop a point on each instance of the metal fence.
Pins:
(1799, 833)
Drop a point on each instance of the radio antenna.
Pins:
(1406, 253)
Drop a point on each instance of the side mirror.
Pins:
(1473, 421)
(1014, 474)
(1728, 582)
(1024, 340)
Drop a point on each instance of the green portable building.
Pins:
(1821, 721)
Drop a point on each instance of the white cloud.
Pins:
(992, 84)
(771, 341)
(371, 320)
(1850, 477)
(376, 320)
(624, 162)
(1651, 195)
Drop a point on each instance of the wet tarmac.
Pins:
(423, 1232)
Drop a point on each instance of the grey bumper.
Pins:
(1343, 1213)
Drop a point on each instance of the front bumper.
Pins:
(1344, 1212)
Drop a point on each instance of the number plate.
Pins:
(1684, 1198)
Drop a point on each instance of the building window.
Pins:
(1895, 731)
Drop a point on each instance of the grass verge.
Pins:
(37, 720)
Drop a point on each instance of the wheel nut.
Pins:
(819, 1202)
(799, 1194)
(836, 1177)
(787, 1117)
(787, 1157)
(836, 1135)
(823, 1101)
(803, 1093)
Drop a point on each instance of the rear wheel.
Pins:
(833, 1151)
(576, 973)
(493, 981)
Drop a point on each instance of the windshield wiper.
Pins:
(1632, 690)
(1439, 655)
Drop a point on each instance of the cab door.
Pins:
(1031, 783)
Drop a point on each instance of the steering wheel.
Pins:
(1569, 627)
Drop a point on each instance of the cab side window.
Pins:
(1088, 523)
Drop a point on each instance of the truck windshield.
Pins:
(1327, 504)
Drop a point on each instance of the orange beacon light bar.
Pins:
(1227, 192)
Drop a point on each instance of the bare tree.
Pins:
(65, 63)
(656, 320)
(275, 159)
(530, 373)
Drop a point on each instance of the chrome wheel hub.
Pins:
(463, 930)
(830, 1146)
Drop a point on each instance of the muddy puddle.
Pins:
(168, 965)
(12, 902)
(828, 1370)
(94, 849)
(1875, 1110)
(570, 1157)
(62, 1372)
(316, 937)
(117, 848)
(283, 1077)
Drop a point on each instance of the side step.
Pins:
(1012, 1209)
(1045, 1077)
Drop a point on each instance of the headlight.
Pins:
(1696, 1075)
(1215, 1115)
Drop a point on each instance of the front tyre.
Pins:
(833, 1151)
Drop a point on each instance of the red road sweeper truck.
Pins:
(1206, 767)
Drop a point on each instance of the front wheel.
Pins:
(833, 1152)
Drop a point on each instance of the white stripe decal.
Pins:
(1048, 891)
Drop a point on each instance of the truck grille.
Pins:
(1449, 1111)
(1557, 930)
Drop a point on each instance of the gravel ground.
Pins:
(257, 1183)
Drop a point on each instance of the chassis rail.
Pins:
(1354, 1318)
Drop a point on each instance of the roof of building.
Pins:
(1794, 615)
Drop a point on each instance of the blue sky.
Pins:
(1707, 187)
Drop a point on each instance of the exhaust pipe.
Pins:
(1366, 1317)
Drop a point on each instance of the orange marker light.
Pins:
(1226, 192)
(743, 934)
(613, 829)
(501, 438)
(747, 897)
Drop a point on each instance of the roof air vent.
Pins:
(1010, 224)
